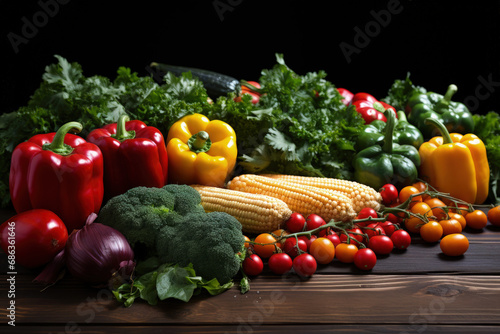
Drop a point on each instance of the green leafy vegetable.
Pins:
(167, 281)
(487, 127)
(300, 126)
(401, 91)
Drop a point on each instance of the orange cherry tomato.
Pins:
(437, 207)
(455, 244)
(413, 224)
(279, 234)
(476, 219)
(459, 217)
(460, 208)
(450, 226)
(421, 186)
(266, 250)
(494, 216)
(432, 231)
(246, 242)
(345, 252)
(422, 208)
(323, 250)
(407, 192)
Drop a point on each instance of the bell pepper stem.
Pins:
(445, 101)
(200, 142)
(442, 129)
(389, 131)
(402, 116)
(121, 131)
(57, 145)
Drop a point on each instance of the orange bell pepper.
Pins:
(201, 151)
(456, 164)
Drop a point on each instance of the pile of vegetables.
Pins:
(167, 187)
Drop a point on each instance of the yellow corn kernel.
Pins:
(328, 204)
(361, 195)
(256, 213)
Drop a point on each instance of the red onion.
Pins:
(96, 254)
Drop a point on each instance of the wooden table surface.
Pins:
(419, 290)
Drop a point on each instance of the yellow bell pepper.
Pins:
(200, 151)
(456, 164)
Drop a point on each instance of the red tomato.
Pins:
(33, 237)
(388, 227)
(308, 240)
(334, 238)
(401, 239)
(305, 265)
(253, 265)
(374, 229)
(291, 247)
(389, 194)
(381, 244)
(354, 233)
(393, 218)
(296, 223)
(365, 259)
(280, 263)
(365, 213)
(314, 221)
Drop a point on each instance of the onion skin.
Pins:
(97, 253)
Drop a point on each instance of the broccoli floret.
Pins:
(171, 224)
(211, 242)
(141, 212)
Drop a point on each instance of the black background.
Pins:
(437, 42)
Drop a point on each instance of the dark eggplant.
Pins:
(216, 84)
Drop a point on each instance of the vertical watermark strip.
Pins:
(11, 273)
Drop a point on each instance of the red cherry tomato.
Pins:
(389, 193)
(296, 223)
(291, 247)
(365, 213)
(354, 233)
(253, 265)
(308, 240)
(280, 263)
(401, 239)
(381, 244)
(314, 221)
(365, 259)
(305, 265)
(374, 229)
(389, 227)
(33, 237)
(334, 238)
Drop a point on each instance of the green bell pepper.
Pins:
(388, 163)
(404, 133)
(454, 115)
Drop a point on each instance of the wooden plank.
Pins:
(236, 329)
(417, 300)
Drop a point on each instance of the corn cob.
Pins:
(360, 194)
(305, 200)
(256, 213)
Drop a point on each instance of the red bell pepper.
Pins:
(370, 108)
(60, 172)
(134, 155)
(347, 96)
